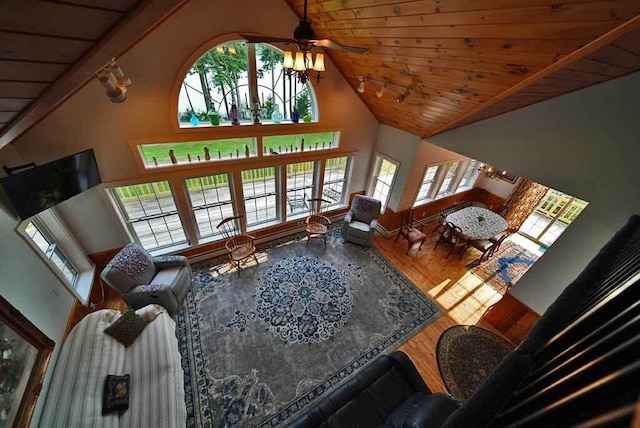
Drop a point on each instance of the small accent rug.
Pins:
(506, 266)
(466, 355)
(259, 348)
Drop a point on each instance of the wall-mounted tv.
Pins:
(36, 189)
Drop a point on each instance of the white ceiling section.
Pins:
(48, 49)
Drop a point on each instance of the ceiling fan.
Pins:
(304, 38)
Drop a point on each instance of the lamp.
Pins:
(400, 98)
(361, 86)
(381, 90)
(491, 171)
(303, 66)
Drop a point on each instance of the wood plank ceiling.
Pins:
(460, 55)
(50, 48)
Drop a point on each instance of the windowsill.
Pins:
(423, 202)
(203, 124)
(170, 250)
(264, 225)
(84, 284)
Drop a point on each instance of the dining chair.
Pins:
(409, 230)
(317, 225)
(498, 240)
(452, 235)
(483, 245)
(442, 217)
(239, 246)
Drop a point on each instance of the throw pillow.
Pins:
(116, 394)
(126, 328)
(150, 312)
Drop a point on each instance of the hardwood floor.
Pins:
(463, 297)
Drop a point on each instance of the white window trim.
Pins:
(52, 226)
(346, 182)
(441, 173)
(377, 159)
(192, 209)
(473, 164)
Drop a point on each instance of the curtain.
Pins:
(524, 199)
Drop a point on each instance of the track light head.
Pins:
(381, 90)
(361, 86)
(400, 98)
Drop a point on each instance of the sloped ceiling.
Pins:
(464, 56)
(49, 48)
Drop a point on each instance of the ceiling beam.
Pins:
(142, 19)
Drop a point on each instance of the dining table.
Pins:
(478, 223)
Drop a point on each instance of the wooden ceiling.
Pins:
(464, 56)
(50, 48)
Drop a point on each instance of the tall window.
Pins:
(448, 184)
(336, 172)
(45, 241)
(427, 183)
(299, 187)
(210, 198)
(260, 195)
(383, 176)
(150, 214)
(470, 176)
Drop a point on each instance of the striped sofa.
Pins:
(88, 356)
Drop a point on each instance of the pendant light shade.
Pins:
(298, 65)
(288, 60)
(308, 61)
(319, 64)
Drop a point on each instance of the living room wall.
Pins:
(88, 119)
(29, 285)
(584, 144)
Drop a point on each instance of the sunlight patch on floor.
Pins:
(465, 300)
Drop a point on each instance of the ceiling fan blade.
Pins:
(264, 39)
(326, 43)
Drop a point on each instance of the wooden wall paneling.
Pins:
(13, 104)
(30, 71)
(512, 318)
(12, 89)
(33, 47)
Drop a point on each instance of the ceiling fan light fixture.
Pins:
(361, 86)
(232, 50)
(308, 62)
(220, 49)
(381, 90)
(318, 65)
(288, 60)
(298, 64)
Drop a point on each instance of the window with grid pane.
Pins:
(260, 191)
(470, 176)
(427, 183)
(210, 198)
(299, 186)
(151, 214)
(446, 188)
(336, 171)
(46, 243)
(383, 180)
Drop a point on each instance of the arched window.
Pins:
(225, 86)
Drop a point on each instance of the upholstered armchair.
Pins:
(360, 222)
(142, 279)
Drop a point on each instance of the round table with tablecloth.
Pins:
(478, 223)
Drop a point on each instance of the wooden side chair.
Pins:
(317, 225)
(451, 235)
(409, 230)
(239, 246)
(488, 247)
(442, 217)
(498, 240)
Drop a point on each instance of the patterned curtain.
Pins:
(525, 197)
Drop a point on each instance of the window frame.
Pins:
(61, 242)
(379, 159)
(345, 180)
(276, 193)
(192, 210)
(313, 189)
(128, 225)
(441, 173)
(467, 183)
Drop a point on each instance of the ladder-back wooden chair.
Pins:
(317, 225)
(409, 230)
(239, 246)
(451, 235)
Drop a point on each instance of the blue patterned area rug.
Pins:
(258, 349)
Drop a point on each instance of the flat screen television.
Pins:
(36, 189)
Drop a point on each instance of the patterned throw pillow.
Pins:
(116, 394)
(126, 328)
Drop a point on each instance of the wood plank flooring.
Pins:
(463, 297)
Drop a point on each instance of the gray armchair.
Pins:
(142, 279)
(360, 222)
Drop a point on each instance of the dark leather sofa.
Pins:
(388, 393)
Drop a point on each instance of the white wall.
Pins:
(496, 186)
(89, 119)
(400, 146)
(585, 144)
(28, 284)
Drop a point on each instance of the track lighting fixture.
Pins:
(400, 98)
(114, 81)
(361, 86)
(381, 90)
